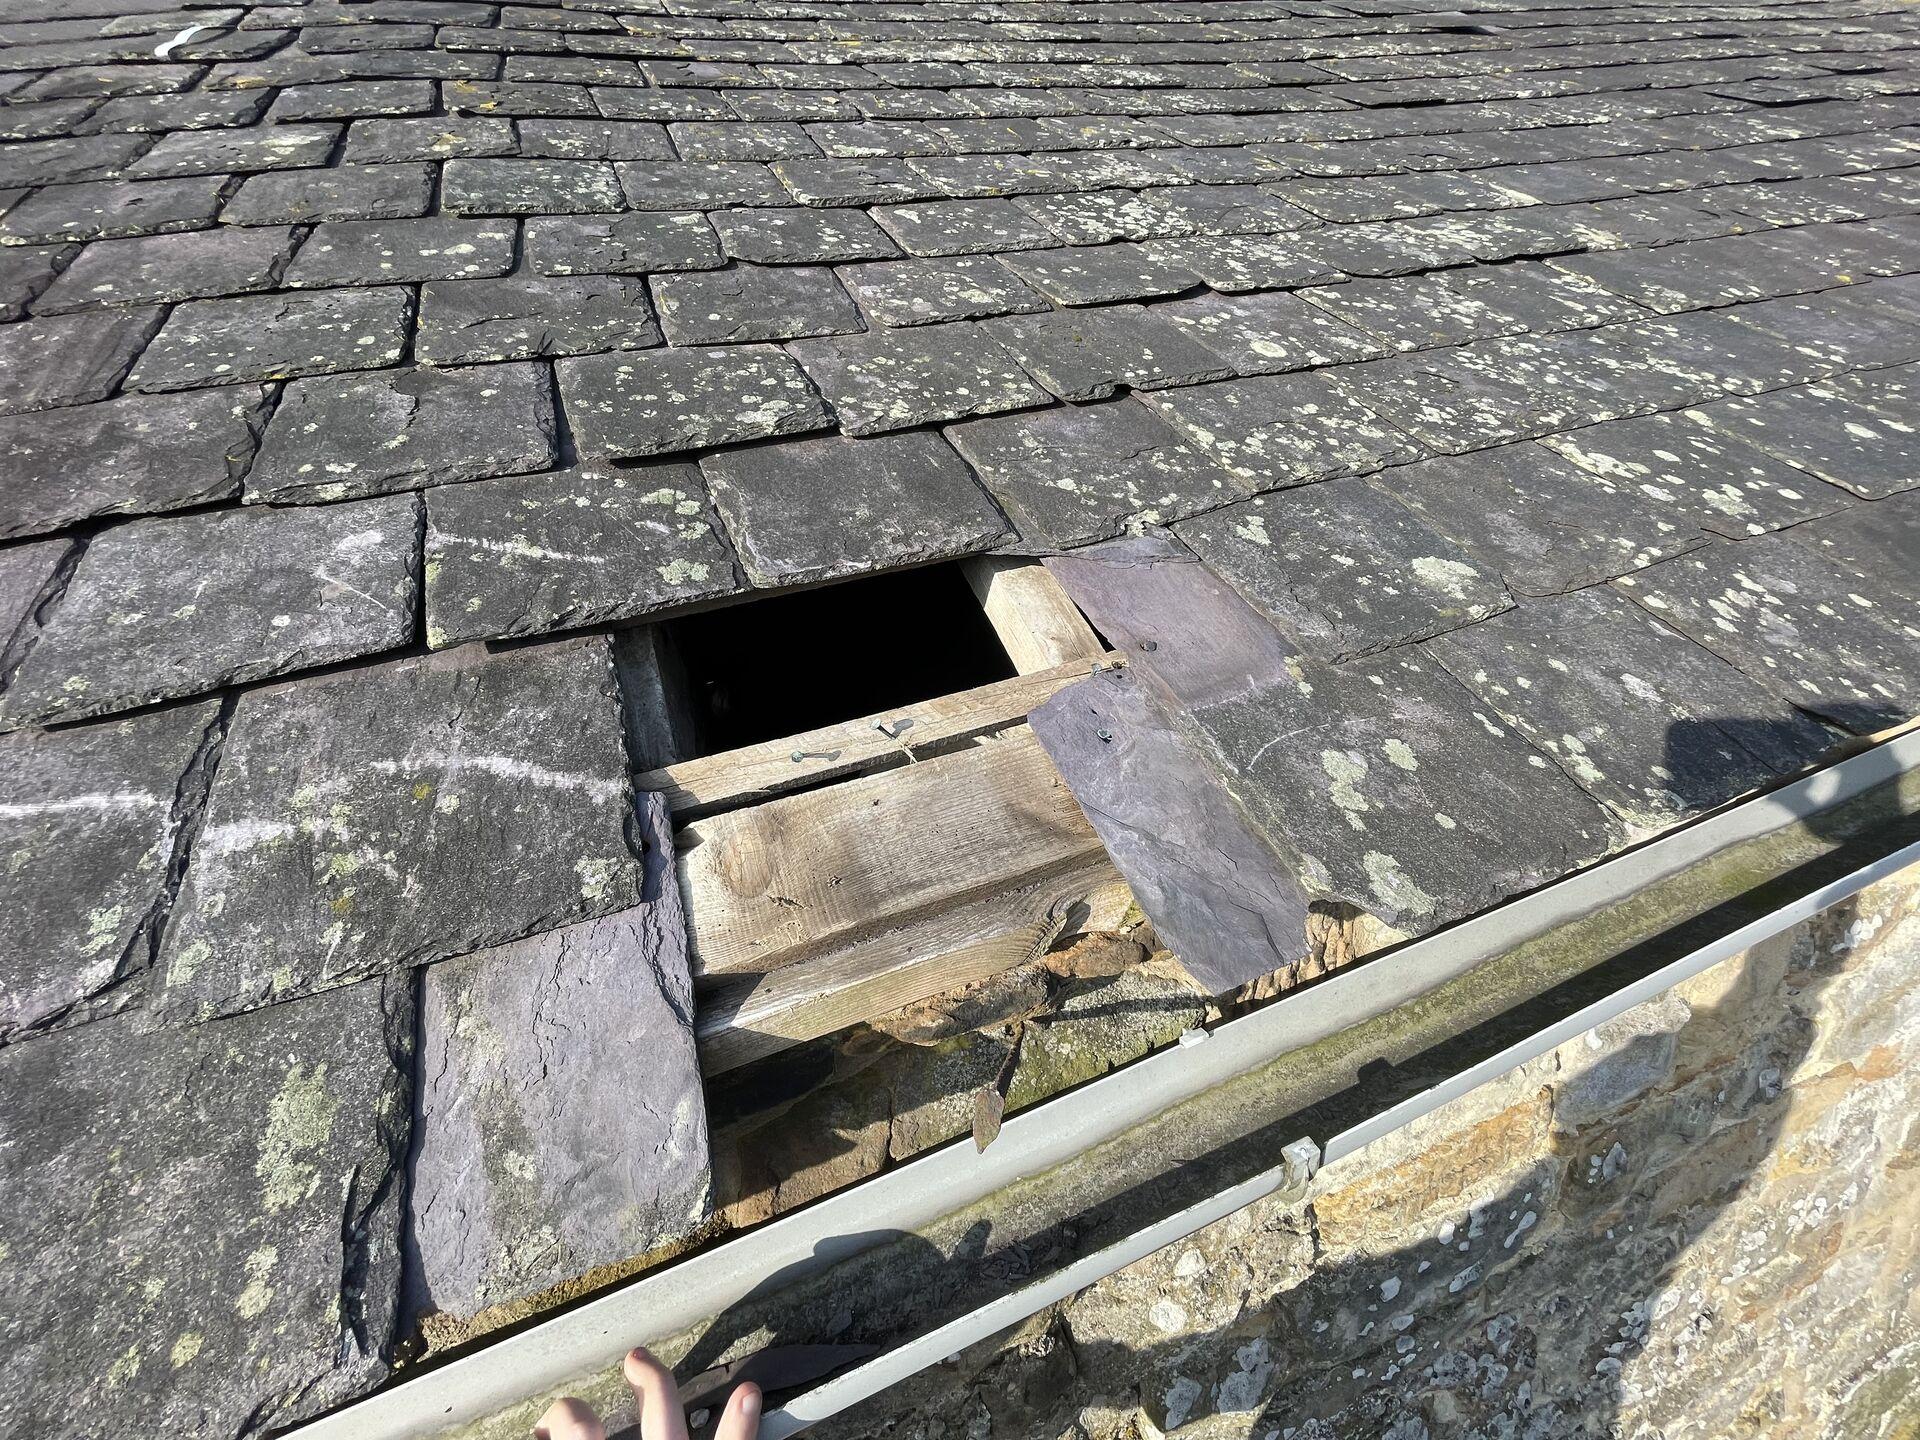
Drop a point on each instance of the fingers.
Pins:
(569, 1419)
(742, 1418)
(656, 1396)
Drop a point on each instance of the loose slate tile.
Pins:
(1088, 354)
(271, 337)
(89, 821)
(1414, 312)
(25, 572)
(1397, 791)
(224, 152)
(963, 227)
(683, 185)
(824, 509)
(1343, 568)
(794, 236)
(1880, 540)
(920, 292)
(564, 1065)
(753, 302)
(630, 405)
(349, 435)
(346, 192)
(1238, 263)
(1278, 430)
(149, 268)
(399, 814)
(622, 245)
(1637, 715)
(1099, 275)
(386, 252)
(529, 187)
(213, 1214)
(895, 379)
(103, 209)
(524, 555)
(69, 359)
(520, 317)
(127, 456)
(1870, 452)
(1216, 894)
(149, 614)
(1731, 488)
(1080, 473)
(1270, 334)
(1815, 634)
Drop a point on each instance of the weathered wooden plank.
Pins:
(881, 741)
(1034, 618)
(809, 873)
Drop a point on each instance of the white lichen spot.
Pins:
(1398, 753)
(1392, 886)
(299, 1120)
(1450, 577)
(258, 1294)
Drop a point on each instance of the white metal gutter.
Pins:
(579, 1342)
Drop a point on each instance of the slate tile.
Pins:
(1637, 715)
(624, 102)
(793, 236)
(195, 111)
(69, 359)
(127, 456)
(1397, 791)
(1343, 569)
(1870, 452)
(89, 821)
(150, 268)
(399, 814)
(1670, 278)
(351, 99)
(271, 337)
(1815, 634)
(894, 379)
(492, 97)
(26, 571)
(1234, 264)
(1880, 540)
(813, 510)
(248, 1170)
(1088, 354)
(227, 152)
(111, 208)
(1099, 275)
(1413, 312)
(386, 252)
(629, 404)
(441, 137)
(920, 292)
(622, 245)
(753, 302)
(832, 182)
(1538, 298)
(346, 192)
(1441, 406)
(339, 436)
(465, 322)
(1079, 473)
(146, 616)
(1229, 209)
(1838, 329)
(1276, 430)
(64, 161)
(1270, 334)
(707, 140)
(1098, 217)
(528, 554)
(962, 227)
(683, 185)
(608, 1127)
(529, 187)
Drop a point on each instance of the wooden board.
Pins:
(1034, 618)
(873, 742)
(810, 873)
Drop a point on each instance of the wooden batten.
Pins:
(1033, 616)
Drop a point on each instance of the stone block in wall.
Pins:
(1617, 1061)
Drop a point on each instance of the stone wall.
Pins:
(1701, 1220)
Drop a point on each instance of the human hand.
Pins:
(657, 1399)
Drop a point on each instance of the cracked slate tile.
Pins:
(1270, 334)
(795, 236)
(387, 252)
(568, 1058)
(528, 554)
(1234, 264)
(1343, 568)
(831, 182)
(523, 317)
(146, 617)
(340, 436)
(896, 379)
(69, 359)
(25, 572)
(109, 208)
(129, 456)
(1098, 217)
(399, 814)
(748, 303)
(227, 152)
(1078, 473)
(90, 818)
(629, 404)
(1637, 715)
(921, 292)
(622, 245)
(1873, 453)
(962, 227)
(149, 268)
(1833, 644)
(1088, 354)
(271, 337)
(1099, 275)
(1277, 430)
(212, 1213)
(1881, 540)
(345, 192)
(812, 510)
(529, 187)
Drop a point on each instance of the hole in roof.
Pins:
(776, 667)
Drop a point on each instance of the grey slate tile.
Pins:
(1540, 298)
(622, 244)
(150, 614)
(1238, 263)
(517, 317)
(527, 554)
(132, 455)
(896, 379)
(529, 187)
(748, 303)
(108, 208)
(225, 152)
(684, 185)
(1098, 217)
(1099, 275)
(812, 510)
(443, 137)
(1079, 473)
(351, 99)
(630, 404)
(594, 140)
(962, 227)
(387, 252)
(565, 1065)
(1088, 354)
(25, 572)
(1413, 312)
(795, 236)
(1880, 540)
(851, 182)
(1270, 334)
(1276, 430)
(399, 814)
(920, 292)
(1440, 405)
(1870, 452)
(345, 192)
(149, 268)
(1641, 718)
(339, 436)
(271, 337)
(69, 359)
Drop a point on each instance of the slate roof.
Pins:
(1522, 395)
